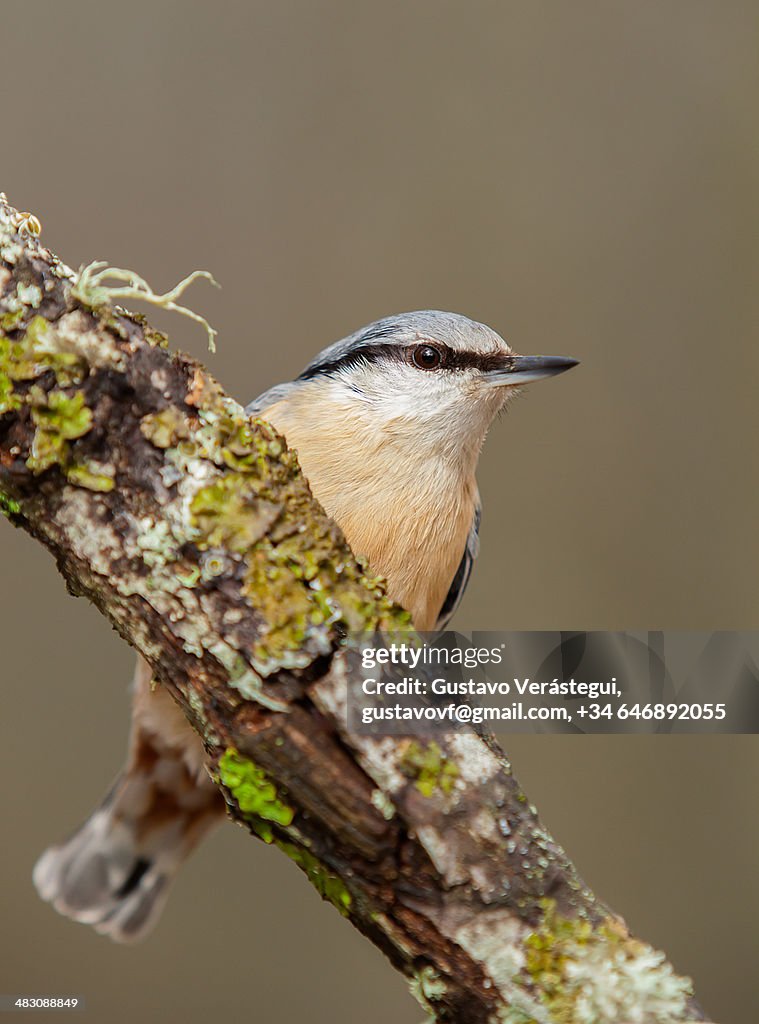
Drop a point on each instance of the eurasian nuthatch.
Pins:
(388, 425)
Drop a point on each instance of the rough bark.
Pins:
(195, 534)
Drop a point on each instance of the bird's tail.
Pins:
(113, 873)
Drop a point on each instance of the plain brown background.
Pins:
(581, 176)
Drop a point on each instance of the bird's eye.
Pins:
(427, 357)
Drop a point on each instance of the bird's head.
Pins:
(430, 379)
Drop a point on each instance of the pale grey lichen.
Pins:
(29, 294)
(91, 289)
(157, 543)
(196, 704)
(427, 987)
(383, 803)
(572, 971)
(634, 985)
(493, 937)
(477, 764)
(242, 677)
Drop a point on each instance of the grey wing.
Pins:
(464, 571)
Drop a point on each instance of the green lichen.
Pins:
(15, 366)
(254, 793)
(55, 349)
(582, 974)
(328, 885)
(292, 612)
(430, 769)
(27, 358)
(164, 429)
(303, 582)
(11, 320)
(256, 796)
(230, 514)
(45, 348)
(37, 334)
(242, 448)
(93, 476)
(59, 418)
(9, 400)
(547, 948)
(262, 829)
(296, 575)
(9, 506)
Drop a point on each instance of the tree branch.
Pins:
(194, 532)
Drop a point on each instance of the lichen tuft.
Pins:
(165, 428)
(430, 769)
(91, 290)
(583, 974)
(254, 793)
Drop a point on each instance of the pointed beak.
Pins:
(518, 370)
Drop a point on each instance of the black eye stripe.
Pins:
(452, 359)
(361, 354)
